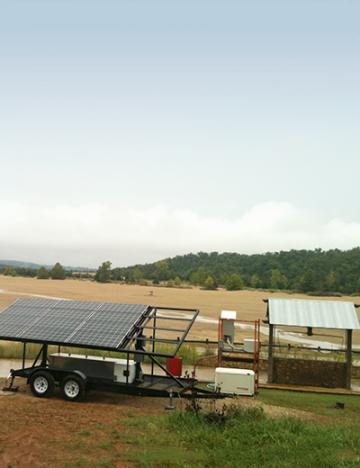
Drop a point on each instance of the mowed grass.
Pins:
(322, 405)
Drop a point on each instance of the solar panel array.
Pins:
(93, 324)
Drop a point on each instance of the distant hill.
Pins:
(19, 264)
(300, 270)
(36, 266)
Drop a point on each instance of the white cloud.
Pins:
(88, 234)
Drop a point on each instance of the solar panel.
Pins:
(79, 323)
(107, 325)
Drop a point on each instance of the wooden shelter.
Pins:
(311, 314)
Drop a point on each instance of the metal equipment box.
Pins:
(249, 345)
(235, 381)
(228, 318)
(95, 366)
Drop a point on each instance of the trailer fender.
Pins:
(17, 373)
(79, 374)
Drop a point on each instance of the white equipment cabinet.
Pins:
(235, 381)
(249, 345)
(228, 318)
(95, 366)
(120, 370)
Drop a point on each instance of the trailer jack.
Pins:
(170, 406)
(9, 386)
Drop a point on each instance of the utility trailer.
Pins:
(128, 331)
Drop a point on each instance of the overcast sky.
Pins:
(136, 130)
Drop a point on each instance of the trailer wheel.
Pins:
(73, 388)
(42, 384)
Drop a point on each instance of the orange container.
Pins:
(174, 366)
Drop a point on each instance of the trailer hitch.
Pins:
(9, 386)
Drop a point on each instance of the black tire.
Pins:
(42, 384)
(73, 387)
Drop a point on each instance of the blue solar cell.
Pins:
(104, 325)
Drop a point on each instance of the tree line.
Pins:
(56, 272)
(310, 271)
(320, 271)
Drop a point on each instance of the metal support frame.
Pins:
(153, 343)
(152, 323)
(127, 368)
(348, 358)
(239, 355)
(24, 355)
(37, 357)
(44, 355)
(270, 354)
(186, 331)
(163, 329)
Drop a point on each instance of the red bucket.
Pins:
(174, 366)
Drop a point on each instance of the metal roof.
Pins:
(309, 313)
(71, 323)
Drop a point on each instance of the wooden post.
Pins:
(270, 354)
(348, 357)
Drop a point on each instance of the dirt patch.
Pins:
(52, 432)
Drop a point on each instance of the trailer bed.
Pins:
(155, 385)
(151, 385)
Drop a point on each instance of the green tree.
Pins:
(210, 283)
(277, 279)
(177, 282)
(43, 273)
(9, 271)
(306, 282)
(331, 282)
(234, 282)
(162, 271)
(137, 275)
(57, 272)
(255, 281)
(103, 274)
(199, 277)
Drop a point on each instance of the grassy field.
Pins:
(12, 350)
(253, 434)
(241, 437)
(276, 429)
(321, 405)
